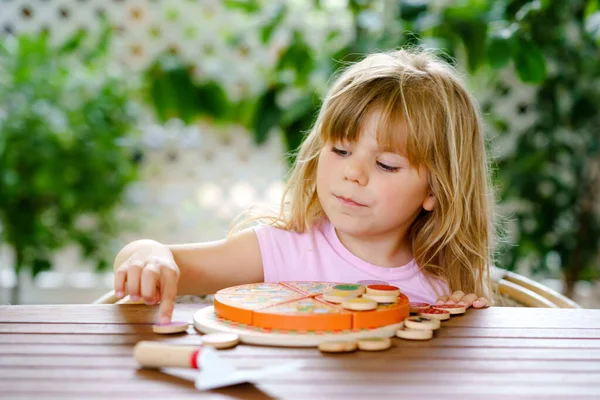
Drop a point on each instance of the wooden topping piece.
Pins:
(414, 334)
(421, 323)
(383, 290)
(171, 327)
(416, 307)
(435, 313)
(453, 309)
(374, 343)
(221, 340)
(353, 288)
(381, 299)
(338, 296)
(359, 304)
(338, 346)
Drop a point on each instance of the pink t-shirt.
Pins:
(291, 256)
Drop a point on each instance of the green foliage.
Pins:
(65, 119)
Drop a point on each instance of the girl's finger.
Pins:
(467, 300)
(168, 286)
(150, 277)
(133, 279)
(456, 297)
(480, 303)
(121, 280)
(441, 300)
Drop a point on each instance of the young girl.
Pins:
(390, 185)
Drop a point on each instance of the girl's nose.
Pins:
(356, 171)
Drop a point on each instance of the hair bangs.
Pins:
(397, 132)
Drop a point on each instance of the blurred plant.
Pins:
(553, 173)
(65, 117)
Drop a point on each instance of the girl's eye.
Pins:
(387, 167)
(339, 152)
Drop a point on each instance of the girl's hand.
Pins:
(465, 300)
(152, 274)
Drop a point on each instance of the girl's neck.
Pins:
(392, 250)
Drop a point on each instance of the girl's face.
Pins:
(365, 191)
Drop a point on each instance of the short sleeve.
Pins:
(270, 240)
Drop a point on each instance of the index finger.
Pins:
(168, 284)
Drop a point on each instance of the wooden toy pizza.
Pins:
(298, 314)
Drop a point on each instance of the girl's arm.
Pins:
(156, 272)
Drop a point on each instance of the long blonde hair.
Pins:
(454, 242)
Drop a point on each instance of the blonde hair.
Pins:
(454, 242)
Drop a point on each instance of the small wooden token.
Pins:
(435, 313)
(381, 299)
(383, 290)
(422, 323)
(416, 307)
(353, 288)
(338, 346)
(171, 327)
(338, 296)
(374, 343)
(453, 309)
(221, 340)
(359, 304)
(414, 334)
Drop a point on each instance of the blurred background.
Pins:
(128, 119)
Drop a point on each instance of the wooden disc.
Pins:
(353, 288)
(338, 346)
(359, 304)
(374, 343)
(383, 290)
(414, 334)
(416, 307)
(435, 313)
(221, 340)
(453, 309)
(171, 327)
(421, 323)
(381, 299)
(338, 296)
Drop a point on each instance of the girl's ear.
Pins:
(429, 203)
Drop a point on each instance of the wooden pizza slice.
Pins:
(305, 314)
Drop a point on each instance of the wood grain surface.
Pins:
(85, 352)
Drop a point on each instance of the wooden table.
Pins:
(85, 352)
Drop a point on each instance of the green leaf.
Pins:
(530, 62)
(73, 43)
(499, 49)
(249, 6)
(267, 31)
(213, 100)
(267, 116)
(40, 265)
(298, 57)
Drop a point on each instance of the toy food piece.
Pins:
(421, 323)
(338, 346)
(416, 307)
(221, 340)
(453, 309)
(414, 334)
(374, 343)
(353, 288)
(383, 290)
(359, 304)
(338, 296)
(171, 327)
(381, 299)
(435, 313)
